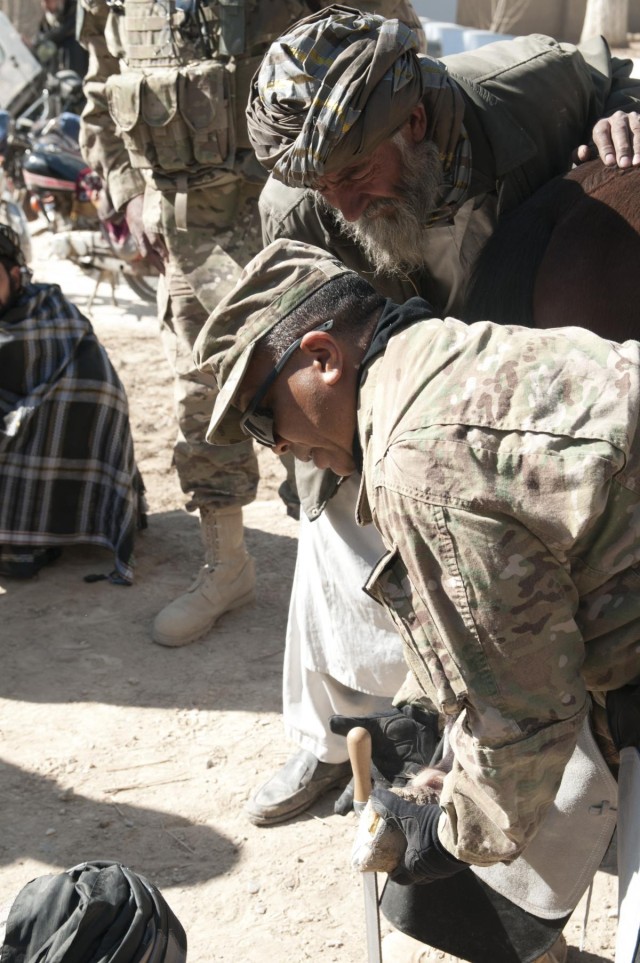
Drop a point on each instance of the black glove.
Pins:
(623, 716)
(425, 859)
(403, 741)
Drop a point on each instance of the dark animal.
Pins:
(570, 255)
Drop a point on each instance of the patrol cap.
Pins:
(273, 285)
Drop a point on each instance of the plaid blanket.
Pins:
(67, 468)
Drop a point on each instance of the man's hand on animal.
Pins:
(425, 858)
(150, 246)
(402, 740)
(616, 140)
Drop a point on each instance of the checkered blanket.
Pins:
(67, 468)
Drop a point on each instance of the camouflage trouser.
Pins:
(223, 224)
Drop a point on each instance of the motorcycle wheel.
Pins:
(145, 287)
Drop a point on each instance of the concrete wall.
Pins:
(444, 10)
(559, 18)
(25, 15)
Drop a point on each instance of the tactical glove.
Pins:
(425, 858)
(403, 741)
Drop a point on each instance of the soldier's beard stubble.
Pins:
(393, 231)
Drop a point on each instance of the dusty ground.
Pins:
(113, 747)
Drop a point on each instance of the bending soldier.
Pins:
(501, 467)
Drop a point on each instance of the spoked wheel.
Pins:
(145, 286)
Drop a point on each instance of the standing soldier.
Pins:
(164, 126)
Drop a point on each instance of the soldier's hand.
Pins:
(403, 741)
(616, 140)
(425, 858)
(150, 246)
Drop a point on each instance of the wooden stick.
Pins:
(359, 749)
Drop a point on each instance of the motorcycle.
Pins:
(48, 169)
(42, 173)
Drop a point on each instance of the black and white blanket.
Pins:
(67, 467)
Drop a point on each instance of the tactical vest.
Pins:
(179, 104)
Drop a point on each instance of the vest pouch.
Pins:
(123, 100)
(203, 98)
(160, 116)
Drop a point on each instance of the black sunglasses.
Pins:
(257, 421)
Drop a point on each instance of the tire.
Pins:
(145, 286)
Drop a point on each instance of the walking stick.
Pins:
(359, 748)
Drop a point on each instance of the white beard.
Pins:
(393, 231)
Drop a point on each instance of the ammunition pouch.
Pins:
(174, 118)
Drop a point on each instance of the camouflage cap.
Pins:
(273, 285)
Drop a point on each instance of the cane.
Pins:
(359, 748)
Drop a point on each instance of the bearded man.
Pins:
(415, 159)
(400, 166)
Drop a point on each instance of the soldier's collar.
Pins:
(392, 318)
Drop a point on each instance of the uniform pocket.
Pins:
(438, 677)
(160, 115)
(204, 101)
(172, 119)
(123, 99)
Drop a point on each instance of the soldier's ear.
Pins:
(326, 352)
(418, 123)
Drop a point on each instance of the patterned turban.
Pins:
(339, 83)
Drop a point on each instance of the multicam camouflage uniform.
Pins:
(166, 91)
(510, 504)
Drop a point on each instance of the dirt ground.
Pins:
(113, 747)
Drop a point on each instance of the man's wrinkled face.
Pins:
(384, 202)
(311, 416)
(369, 184)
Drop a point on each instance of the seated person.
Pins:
(67, 469)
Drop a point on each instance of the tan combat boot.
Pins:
(399, 948)
(225, 582)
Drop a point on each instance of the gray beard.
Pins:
(396, 239)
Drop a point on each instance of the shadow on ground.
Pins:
(65, 640)
(60, 828)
